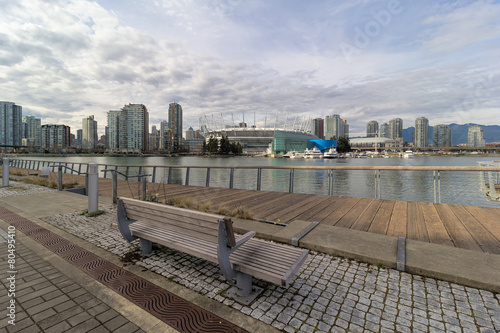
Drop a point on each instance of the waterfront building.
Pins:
(335, 127)
(396, 128)
(442, 136)
(372, 129)
(476, 137)
(129, 128)
(55, 138)
(11, 129)
(175, 127)
(190, 134)
(318, 128)
(32, 131)
(154, 139)
(421, 133)
(384, 130)
(89, 133)
(373, 143)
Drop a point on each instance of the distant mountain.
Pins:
(459, 133)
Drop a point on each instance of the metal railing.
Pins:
(205, 172)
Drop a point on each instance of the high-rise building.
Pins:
(396, 128)
(32, 130)
(165, 137)
(11, 128)
(335, 127)
(421, 134)
(476, 137)
(442, 136)
(372, 129)
(129, 128)
(384, 130)
(175, 126)
(318, 128)
(154, 139)
(190, 134)
(89, 133)
(55, 137)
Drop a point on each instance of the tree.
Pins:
(225, 146)
(236, 148)
(213, 145)
(343, 145)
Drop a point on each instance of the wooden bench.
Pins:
(210, 237)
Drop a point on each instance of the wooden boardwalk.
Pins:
(467, 227)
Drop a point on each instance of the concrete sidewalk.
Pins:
(330, 294)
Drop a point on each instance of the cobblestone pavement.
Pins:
(329, 295)
(18, 188)
(48, 301)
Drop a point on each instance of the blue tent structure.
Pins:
(322, 144)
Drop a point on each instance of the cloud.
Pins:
(63, 61)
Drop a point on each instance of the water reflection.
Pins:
(456, 187)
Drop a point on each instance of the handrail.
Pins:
(301, 167)
(113, 168)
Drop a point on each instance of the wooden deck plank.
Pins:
(484, 239)
(381, 219)
(311, 205)
(323, 209)
(458, 233)
(354, 213)
(277, 208)
(416, 229)
(364, 221)
(435, 227)
(295, 208)
(488, 218)
(399, 218)
(337, 214)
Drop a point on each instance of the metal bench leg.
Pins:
(244, 292)
(146, 247)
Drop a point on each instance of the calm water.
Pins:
(456, 187)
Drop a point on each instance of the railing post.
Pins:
(207, 182)
(154, 175)
(140, 170)
(93, 187)
(439, 187)
(434, 181)
(38, 166)
(231, 178)
(59, 178)
(79, 168)
(65, 167)
(377, 184)
(187, 176)
(330, 181)
(5, 172)
(493, 191)
(126, 171)
(169, 178)
(114, 187)
(105, 171)
(72, 168)
(259, 178)
(290, 183)
(144, 187)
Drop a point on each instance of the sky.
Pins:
(222, 60)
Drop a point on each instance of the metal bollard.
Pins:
(114, 191)
(5, 174)
(59, 178)
(93, 187)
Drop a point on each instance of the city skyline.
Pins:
(362, 60)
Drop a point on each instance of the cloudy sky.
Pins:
(63, 60)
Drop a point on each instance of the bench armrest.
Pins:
(123, 222)
(242, 239)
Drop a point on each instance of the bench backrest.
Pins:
(195, 223)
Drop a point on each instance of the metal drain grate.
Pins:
(171, 309)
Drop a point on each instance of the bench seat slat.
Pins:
(199, 231)
(248, 259)
(167, 209)
(171, 219)
(257, 250)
